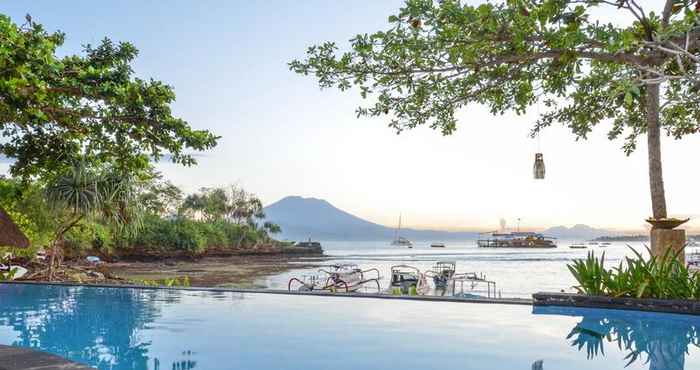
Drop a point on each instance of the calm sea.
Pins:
(517, 272)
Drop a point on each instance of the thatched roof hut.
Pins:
(10, 234)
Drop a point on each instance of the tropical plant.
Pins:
(85, 192)
(662, 277)
(437, 57)
(590, 274)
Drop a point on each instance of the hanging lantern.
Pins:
(538, 167)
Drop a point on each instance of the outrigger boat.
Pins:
(442, 274)
(337, 278)
(407, 280)
(473, 281)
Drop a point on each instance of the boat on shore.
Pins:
(578, 246)
(437, 245)
(517, 240)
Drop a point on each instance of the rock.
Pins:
(96, 275)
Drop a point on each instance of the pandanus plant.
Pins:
(85, 192)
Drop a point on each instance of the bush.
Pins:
(662, 277)
(102, 238)
(188, 236)
(214, 234)
(176, 235)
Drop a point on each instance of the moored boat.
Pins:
(437, 245)
(578, 246)
(517, 240)
(400, 240)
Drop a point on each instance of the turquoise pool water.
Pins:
(116, 328)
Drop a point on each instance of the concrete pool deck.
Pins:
(18, 358)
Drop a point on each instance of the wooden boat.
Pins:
(578, 246)
(344, 278)
(407, 280)
(437, 245)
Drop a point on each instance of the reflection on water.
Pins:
(140, 329)
(660, 340)
(96, 326)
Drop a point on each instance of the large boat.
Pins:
(517, 240)
(400, 240)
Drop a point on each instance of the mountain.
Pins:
(303, 218)
(579, 231)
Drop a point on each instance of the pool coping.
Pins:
(508, 301)
(21, 358)
(677, 306)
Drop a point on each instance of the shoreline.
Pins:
(244, 270)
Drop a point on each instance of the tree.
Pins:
(438, 57)
(55, 109)
(84, 192)
(159, 196)
(210, 203)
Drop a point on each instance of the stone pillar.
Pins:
(663, 239)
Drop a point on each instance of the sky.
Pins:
(282, 135)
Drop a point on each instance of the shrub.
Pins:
(179, 235)
(214, 234)
(662, 277)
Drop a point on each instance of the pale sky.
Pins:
(283, 136)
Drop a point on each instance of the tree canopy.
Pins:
(55, 109)
(439, 56)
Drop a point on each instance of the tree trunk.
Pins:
(656, 181)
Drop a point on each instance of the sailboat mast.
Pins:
(398, 232)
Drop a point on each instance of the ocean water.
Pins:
(517, 272)
(142, 329)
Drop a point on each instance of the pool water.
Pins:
(120, 328)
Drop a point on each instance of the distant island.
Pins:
(623, 238)
(303, 218)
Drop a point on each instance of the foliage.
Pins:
(662, 277)
(439, 56)
(159, 196)
(28, 208)
(167, 282)
(224, 203)
(8, 274)
(56, 109)
(90, 207)
(193, 237)
(590, 273)
(104, 192)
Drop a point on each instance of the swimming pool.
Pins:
(125, 328)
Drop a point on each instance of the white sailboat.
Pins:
(400, 240)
